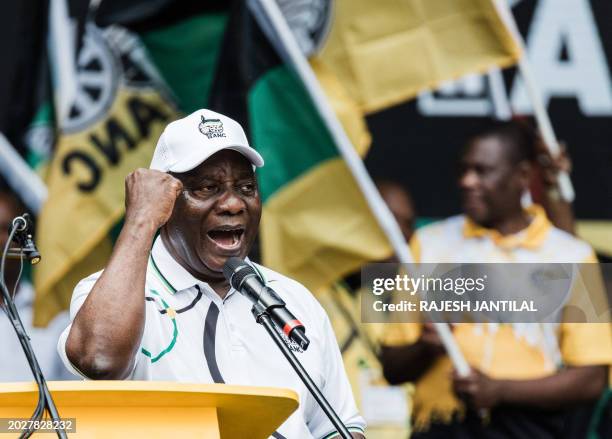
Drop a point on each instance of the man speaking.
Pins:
(162, 309)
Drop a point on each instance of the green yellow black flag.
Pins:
(117, 115)
(316, 225)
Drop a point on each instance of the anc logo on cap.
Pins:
(211, 128)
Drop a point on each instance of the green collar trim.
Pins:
(173, 290)
(160, 276)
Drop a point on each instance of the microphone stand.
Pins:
(45, 400)
(260, 311)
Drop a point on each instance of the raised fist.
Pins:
(150, 196)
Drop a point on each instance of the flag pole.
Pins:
(497, 92)
(355, 164)
(541, 115)
(62, 51)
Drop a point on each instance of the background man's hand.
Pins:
(558, 210)
(552, 166)
(406, 363)
(150, 196)
(430, 338)
(477, 390)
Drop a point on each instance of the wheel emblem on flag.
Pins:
(96, 77)
(309, 20)
(211, 128)
(109, 58)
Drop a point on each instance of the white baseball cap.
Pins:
(187, 142)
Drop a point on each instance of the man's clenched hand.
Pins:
(150, 196)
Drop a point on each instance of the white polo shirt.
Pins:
(191, 335)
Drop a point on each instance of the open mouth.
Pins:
(227, 237)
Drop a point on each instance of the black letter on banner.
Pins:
(144, 114)
(88, 162)
(115, 133)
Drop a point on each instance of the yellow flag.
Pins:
(387, 51)
(118, 115)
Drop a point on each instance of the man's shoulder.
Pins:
(295, 289)
(571, 248)
(86, 284)
(443, 229)
(270, 275)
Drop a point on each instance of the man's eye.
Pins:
(206, 190)
(247, 187)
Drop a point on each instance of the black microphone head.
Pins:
(231, 265)
(236, 270)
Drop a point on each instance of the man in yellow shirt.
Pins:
(526, 375)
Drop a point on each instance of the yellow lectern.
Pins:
(153, 409)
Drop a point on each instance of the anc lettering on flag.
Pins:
(115, 120)
(316, 225)
(387, 51)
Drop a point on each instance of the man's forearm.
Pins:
(106, 332)
(568, 386)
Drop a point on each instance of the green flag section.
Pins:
(387, 51)
(316, 226)
(186, 53)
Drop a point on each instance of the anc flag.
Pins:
(316, 225)
(128, 105)
(115, 119)
(387, 51)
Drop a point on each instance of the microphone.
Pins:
(243, 278)
(23, 237)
